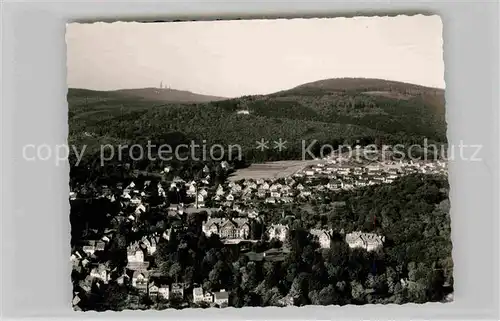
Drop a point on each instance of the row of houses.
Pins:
(348, 176)
(239, 228)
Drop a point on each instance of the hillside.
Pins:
(387, 106)
(367, 84)
(168, 95)
(150, 94)
(332, 111)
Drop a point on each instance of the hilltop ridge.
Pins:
(166, 95)
(332, 111)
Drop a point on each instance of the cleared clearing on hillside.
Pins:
(270, 170)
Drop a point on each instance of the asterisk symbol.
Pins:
(262, 144)
(280, 144)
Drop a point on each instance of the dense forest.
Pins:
(415, 264)
(335, 112)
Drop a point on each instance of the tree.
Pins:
(357, 291)
(249, 277)
(175, 270)
(115, 297)
(328, 295)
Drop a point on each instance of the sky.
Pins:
(249, 57)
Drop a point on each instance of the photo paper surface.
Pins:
(254, 163)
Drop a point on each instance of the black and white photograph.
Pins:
(256, 163)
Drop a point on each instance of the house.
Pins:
(305, 193)
(203, 192)
(163, 291)
(238, 208)
(140, 280)
(200, 200)
(367, 241)
(85, 262)
(76, 300)
(140, 209)
(261, 193)
(161, 191)
(320, 188)
(220, 190)
(76, 256)
(123, 279)
(275, 187)
(334, 185)
(153, 290)
(235, 228)
(208, 297)
(86, 284)
(221, 298)
(150, 243)
(278, 231)
(252, 214)
(100, 272)
(89, 249)
(270, 200)
(191, 190)
(252, 185)
(275, 194)
(198, 295)
(227, 228)
(136, 200)
(177, 291)
(135, 253)
(100, 246)
(236, 189)
(324, 237)
(166, 234)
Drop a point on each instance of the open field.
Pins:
(272, 169)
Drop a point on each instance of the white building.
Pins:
(278, 231)
(324, 237)
(221, 298)
(367, 241)
(163, 291)
(140, 280)
(198, 295)
(227, 228)
(100, 272)
(135, 254)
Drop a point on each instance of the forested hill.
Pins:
(333, 111)
(165, 95)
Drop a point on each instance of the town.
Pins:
(249, 217)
